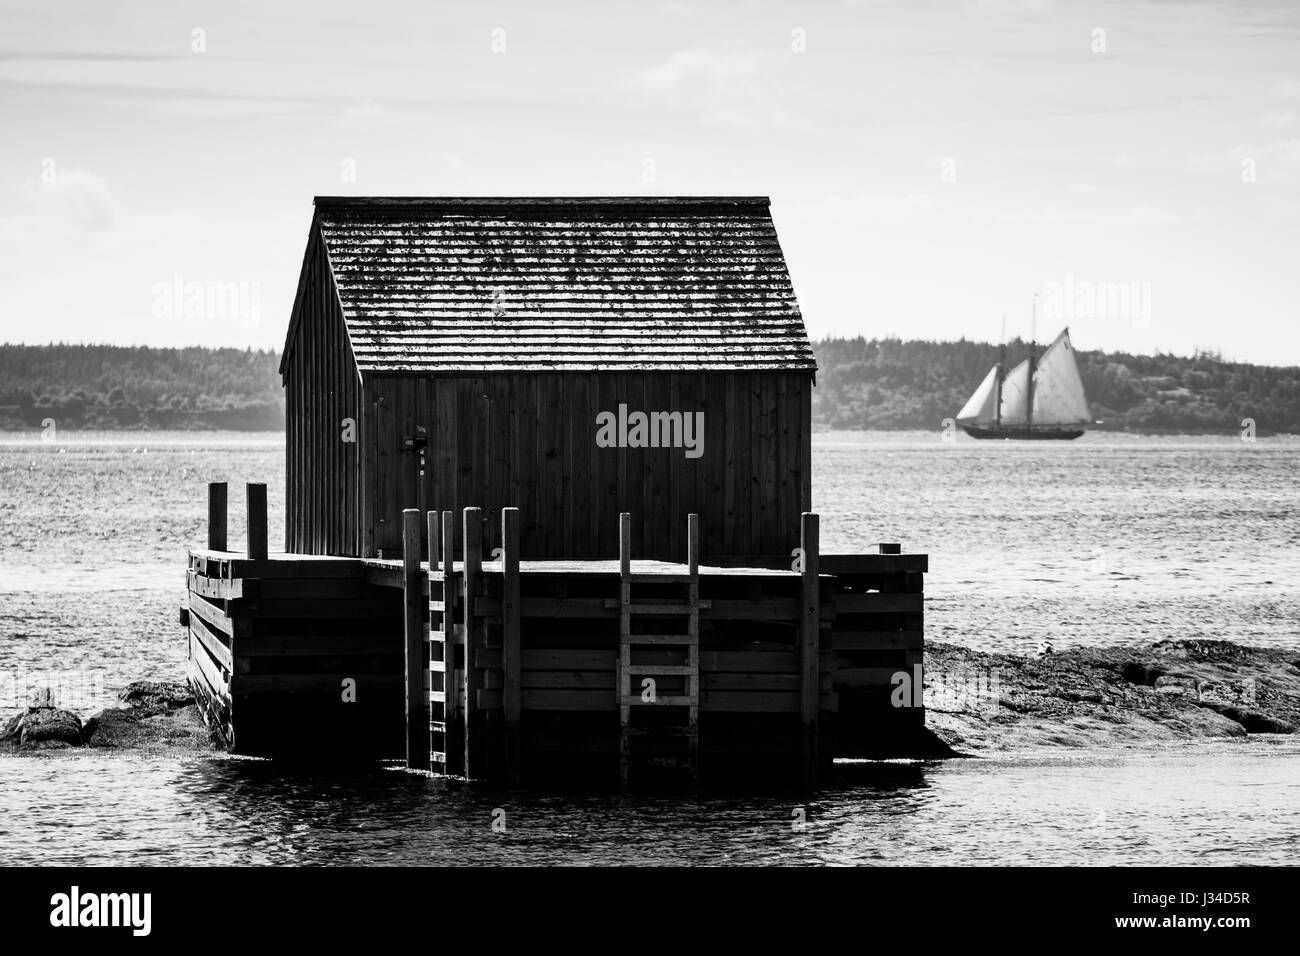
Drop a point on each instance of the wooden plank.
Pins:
(320, 683)
(864, 677)
(361, 643)
(875, 603)
(472, 538)
(810, 647)
(211, 614)
(876, 640)
(257, 540)
(416, 664)
(217, 516)
(570, 700)
(219, 651)
(307, 608)
(874, 563)
(217, 589)
(511, 697)
(211, 672)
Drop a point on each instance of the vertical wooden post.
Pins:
(623, 660)
(454, 738)
(216, 516)
(693, 544)
(810, 647)
(472, 543)
(256, 521)
(512, 694)
(625, 543)
(417, 750)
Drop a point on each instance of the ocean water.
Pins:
(1107, 540)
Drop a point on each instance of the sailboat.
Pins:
(1039, 398)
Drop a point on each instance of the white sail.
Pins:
(981, 409)
(1015, 395)
(1058, 389)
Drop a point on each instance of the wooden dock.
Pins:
(491, 666)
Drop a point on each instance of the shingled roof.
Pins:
(590, 284)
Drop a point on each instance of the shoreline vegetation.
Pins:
(977, 703)
(862, 385)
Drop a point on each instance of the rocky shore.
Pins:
(1096, 697)
(976, 702)
(155, 717)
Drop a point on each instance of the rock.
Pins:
(147, 697)
(38, 725)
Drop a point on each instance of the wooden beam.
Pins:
(624, 543)
(810, 646)
(693, 544)
(217, 516)
(472, 545)
(511, 698)
(417, 740)
(256, 521)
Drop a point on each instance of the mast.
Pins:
(1002, 361)
(1033, 362)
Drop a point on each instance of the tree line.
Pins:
(895, 384)
(861, 383)
(115, 387)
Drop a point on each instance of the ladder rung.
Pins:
(649, 577)
(437, 666)
(674, 670)
(437, 697)
(437, 756)
(660, 701)
(438, 726)
(659, 638)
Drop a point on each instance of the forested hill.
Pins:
(103, 386)
(890, 383)
(878, 384)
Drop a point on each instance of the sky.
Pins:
(936, 169)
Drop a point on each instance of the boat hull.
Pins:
(1022, 434)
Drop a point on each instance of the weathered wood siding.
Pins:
(323, 486)
(529, 440)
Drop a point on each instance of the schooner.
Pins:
(1040, 398)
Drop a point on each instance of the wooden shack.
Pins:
(445, 353)
(549, 509)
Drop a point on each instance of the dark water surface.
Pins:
(1108, 540)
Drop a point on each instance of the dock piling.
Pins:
(470, 587)
(256, 521)
(511, 660)
(217, 516)
(417, 753)
(810, 646)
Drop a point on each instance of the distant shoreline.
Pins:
(270, 436)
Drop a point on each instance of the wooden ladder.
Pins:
(658, 608)
(444, 634)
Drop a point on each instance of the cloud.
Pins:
(73, 197)
(1288, 88)
(701, 69)
(1277, 120)
(723, 85)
